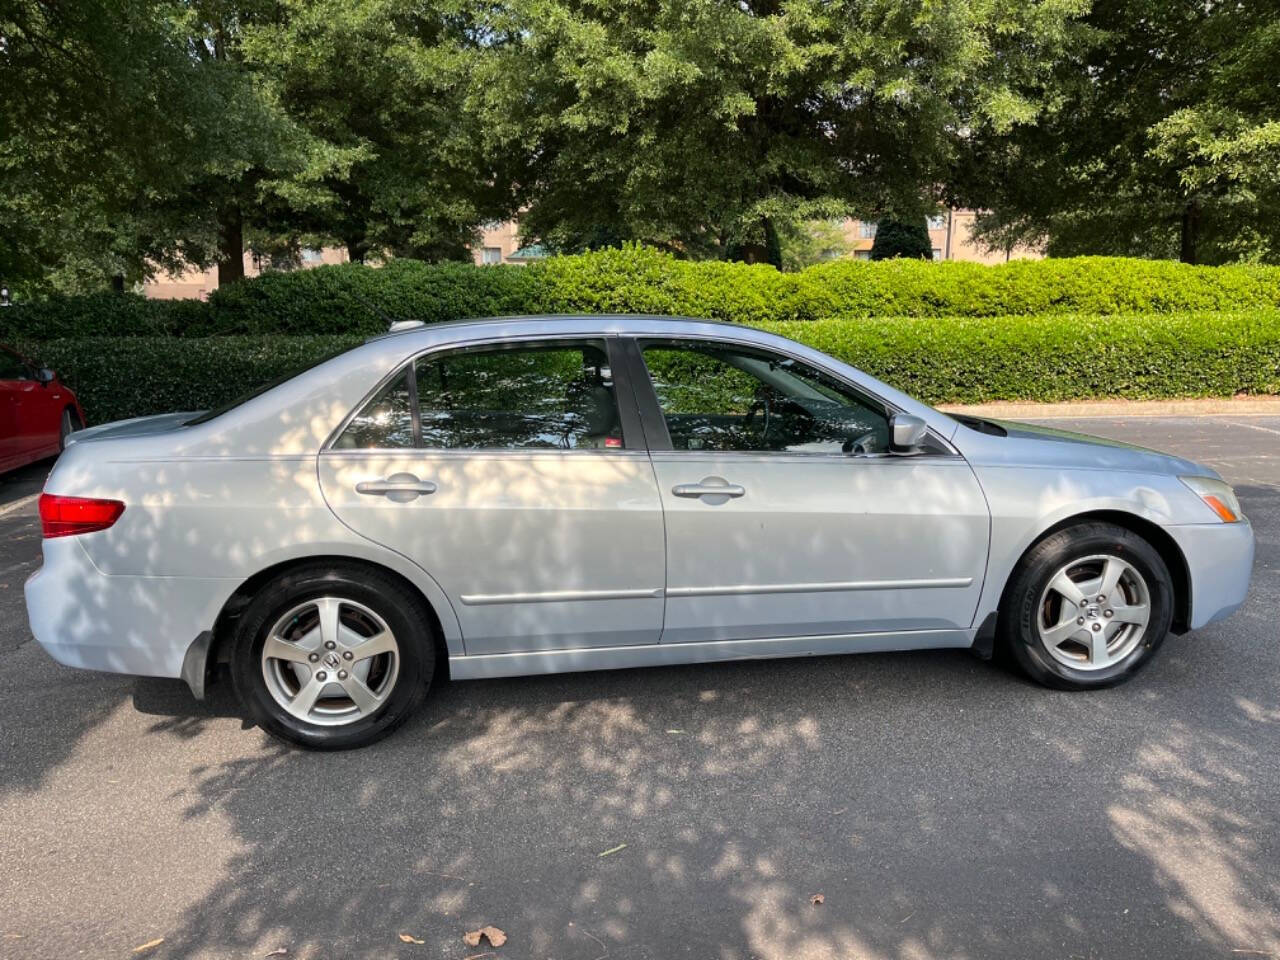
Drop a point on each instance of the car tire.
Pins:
(290, 612)
(1071, 612)
(69, 425)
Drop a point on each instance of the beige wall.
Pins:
(196, 284)
(504, 238)
(952, 240)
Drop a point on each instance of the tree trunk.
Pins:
(1190, 231)
(117, 283)
(230, 245)
(772, 245)
(357, 247)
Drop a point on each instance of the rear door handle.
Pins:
(714, 489)
(399, 487)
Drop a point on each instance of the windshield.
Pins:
(261, 389)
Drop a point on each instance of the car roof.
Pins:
(609, 322)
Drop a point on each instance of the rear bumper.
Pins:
(1220, 560)
(136, 625)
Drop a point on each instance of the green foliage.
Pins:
(706, 127)
(119, 377)
(1039, 358)
(813, 241)
(124, 129)
(1163, 140)
(937, 359)
(896, 238)
(360, 300)
(381, 85)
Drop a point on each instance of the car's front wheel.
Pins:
(330, 658)
(1087, 606)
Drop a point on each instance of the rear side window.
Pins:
(386, 422)
(550, 396)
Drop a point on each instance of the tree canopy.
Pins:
(137, 135)
(701, 125)
(1163, 139)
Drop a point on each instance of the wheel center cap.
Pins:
(331, 660)
(1090, 611)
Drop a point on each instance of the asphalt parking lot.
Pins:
(941, 806)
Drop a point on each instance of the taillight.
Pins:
(68, 516)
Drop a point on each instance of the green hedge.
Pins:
(954, 359)
(348, 299)
(119, 377)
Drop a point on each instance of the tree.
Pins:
(702, 127)
(381, 86)
(813, 242)
(84, 121)
(132, 138)
(1162, 140)
(894, 238)
(259, 151)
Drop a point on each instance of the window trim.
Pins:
(658, 438)
(633, 435)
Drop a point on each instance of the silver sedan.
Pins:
(506, 497)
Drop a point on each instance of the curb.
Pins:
(1223, 406)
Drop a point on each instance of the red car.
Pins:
(37, 411)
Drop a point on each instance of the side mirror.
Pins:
(45, 375)
(907, 433)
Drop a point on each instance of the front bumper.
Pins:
(1220, 560)
(136, 625)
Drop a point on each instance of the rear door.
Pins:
(515, 476)
(786, 515)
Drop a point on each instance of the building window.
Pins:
(866, 229)
(312, 255)
(938, 222)
(937, 253)
(862, 254)
(491, 255)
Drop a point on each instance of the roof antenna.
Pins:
(394, 324)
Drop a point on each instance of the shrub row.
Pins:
(359, 300)
(955, 359)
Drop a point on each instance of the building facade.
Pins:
(196, 284)
(951, 235)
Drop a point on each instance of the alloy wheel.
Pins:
(330, 661)
(1094, 612)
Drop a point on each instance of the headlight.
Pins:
(1218, 497)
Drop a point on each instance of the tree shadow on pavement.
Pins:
(889, 784)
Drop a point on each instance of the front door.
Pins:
(787, 516)
(513, 476)
(17, 439)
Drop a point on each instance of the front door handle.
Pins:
(711, 489)
(399, 487)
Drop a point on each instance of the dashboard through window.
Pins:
(719, 397)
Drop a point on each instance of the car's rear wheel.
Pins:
(329, 657)
(1087, 606)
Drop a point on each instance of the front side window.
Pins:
(725, 398)
(11, 368)
(550, 396)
